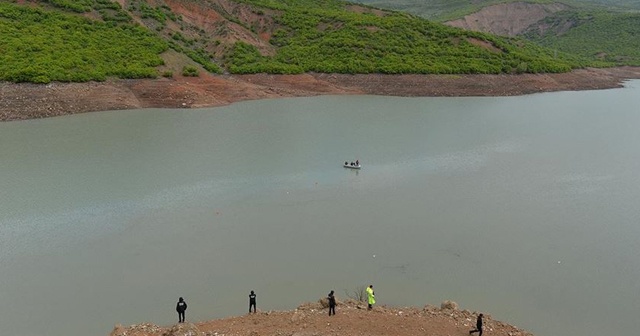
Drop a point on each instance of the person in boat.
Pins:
(346, 163)
(357, 162)
(353, 164)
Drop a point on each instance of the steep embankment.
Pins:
(446, 10)
(28, 101)
(605, 37)
(604, 32)
(507, 19)
(351, 319)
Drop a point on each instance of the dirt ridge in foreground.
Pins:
(352, 319)
(32, 101)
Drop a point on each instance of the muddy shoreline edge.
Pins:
(33, 101)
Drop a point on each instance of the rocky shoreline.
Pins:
(32, 101)
(352, 319)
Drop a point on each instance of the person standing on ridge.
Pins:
(181, 307)
(252, 301)
(332, 303)
(478, 326)
(371, 296)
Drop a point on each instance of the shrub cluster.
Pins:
(40, 46)
(190, 71)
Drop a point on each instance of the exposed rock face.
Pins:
(509, 19)
(558, 26)
(210, 18)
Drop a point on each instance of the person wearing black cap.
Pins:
(252, 301)
(332, 303)
(181, 307)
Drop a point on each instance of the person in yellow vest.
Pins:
(371, 296)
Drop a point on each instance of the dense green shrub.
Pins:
(190, 71)
(73, 5)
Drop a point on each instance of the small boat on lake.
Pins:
(354, 166)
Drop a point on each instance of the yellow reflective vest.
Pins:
(371, 296)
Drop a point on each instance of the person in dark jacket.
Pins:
(478, 328)
(332, 303)
(252, 301)
(181, 307)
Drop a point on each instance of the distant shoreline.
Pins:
(33, 101)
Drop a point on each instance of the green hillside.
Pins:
(322, 36)
(597, 35)
(81, 40)
(622, 4)
(40, 46)
(444, 10)
(438, 10)
(600, 30)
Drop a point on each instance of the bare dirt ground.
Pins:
(507, 19)
(30, 101)
(351, 319)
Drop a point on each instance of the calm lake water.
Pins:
(525, 208)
